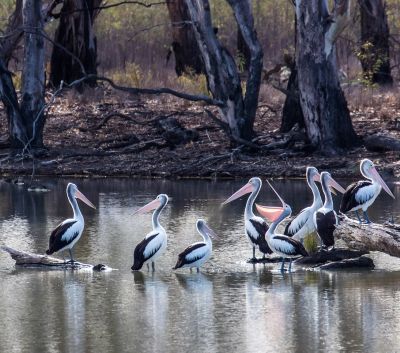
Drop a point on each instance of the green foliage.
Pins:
(193, 83)
(372, 61)
(311, 243)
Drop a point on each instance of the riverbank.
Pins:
(103, 134)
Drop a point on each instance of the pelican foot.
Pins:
(253, 260)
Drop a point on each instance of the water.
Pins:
(231, 306)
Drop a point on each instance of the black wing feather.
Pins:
(349, 197)
(55, 241)
(182, 260)
(326, 225)
(299, 248)
(262, 229)
(138, 255)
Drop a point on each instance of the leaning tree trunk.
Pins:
(374, 52)
(184, 44)
(75, 33)
(222, 75)
(327, 118)
(33, 76)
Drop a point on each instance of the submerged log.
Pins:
(370, 237)
(26, 259)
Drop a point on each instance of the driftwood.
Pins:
(381, 143)
(370, 237)
(26, 259)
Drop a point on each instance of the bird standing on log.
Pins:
(362, 194)
(255, 227)
(325, 218)
(198, 253)
(155, 242)
(303, 223)
(282, 245)
(67, 233)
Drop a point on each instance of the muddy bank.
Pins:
(120, 136)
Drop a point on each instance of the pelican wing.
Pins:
(326, 225)
(59, 239)
(191, 254)
(297, 223)
(145, 250)
(353, 194)
(289, 246)
(261, 227)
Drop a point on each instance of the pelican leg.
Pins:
(283, 264)
(254, 253)
(290, 265)
(148, 267)
(367, 221)
(153, 266)
(72, 257)
(190, 270)
(198, 270)
(358, 216)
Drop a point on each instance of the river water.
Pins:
(231, 306)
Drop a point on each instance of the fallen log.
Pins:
(26, 259)
(381, 143)
(369, 237)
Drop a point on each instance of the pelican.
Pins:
(255, 227)
(325, 218)
(198, 253)
(284, 246)
(303, 223)
(67, 233)
(155, 242)
(362, 194)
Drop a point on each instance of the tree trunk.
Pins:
(33, 76)
(327, 119)
(221, 71)
(184, 44)
(374, 52)
(75, 33)
(13, 33)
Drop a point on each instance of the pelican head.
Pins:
(159, 202)
(327, 181)
(73, 191)
(205, 230)
(252, 185)
(312, 174)
(368, 170)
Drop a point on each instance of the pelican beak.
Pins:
(209, 231)
(269, 212)
(335, 185)
(276, 192)
(317, 177)
(380, 181)
(149, 207)
(80, 196)
(244, 190)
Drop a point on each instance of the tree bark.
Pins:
(374, 51)
(221, 71)
(327, 118)
(75, 33)
(184, 45)
(33, 76)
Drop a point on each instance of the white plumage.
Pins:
(366, 196)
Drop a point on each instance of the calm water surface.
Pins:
(231, 306)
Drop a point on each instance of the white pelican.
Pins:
(155, 242)
(198, 253)
(303, 223)
(325, 218)
(255, 227)
(362, 194)
(67, 233)
(284, 246)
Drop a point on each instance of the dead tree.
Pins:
(327, 118)
(374, 52)
(76, 34)
(26, 120)
(184, 45)
(222, 75)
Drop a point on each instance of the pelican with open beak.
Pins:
(67, 233)
(155, 242)
(362, 194)
(282, 245)
(255, 227)
(325, 218)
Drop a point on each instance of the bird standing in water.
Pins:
(198, 253)
(362, 194)
(255, 227)
(155, 242)
(67, 233)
